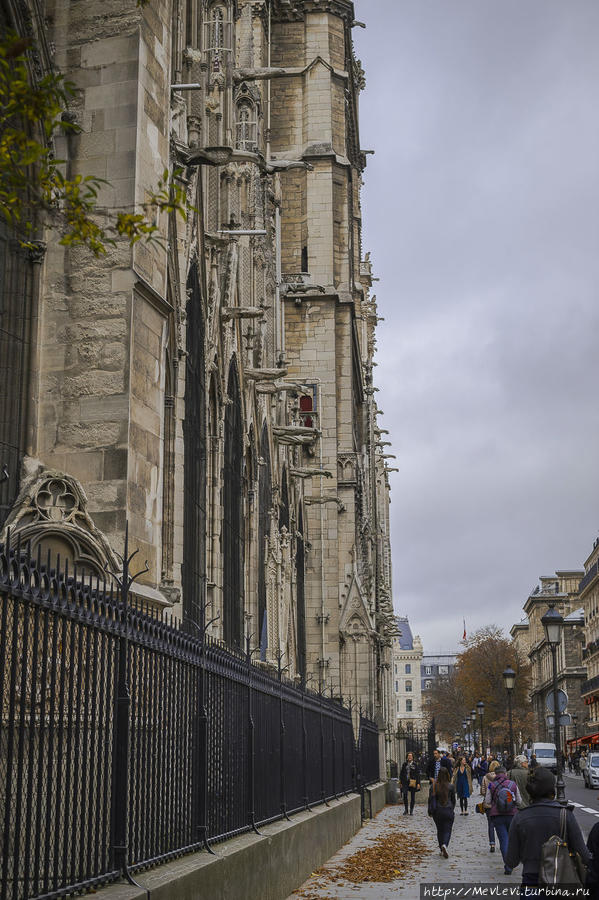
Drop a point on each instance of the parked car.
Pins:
(546, 755)
(591, 773)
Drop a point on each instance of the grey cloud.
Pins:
(482, 214)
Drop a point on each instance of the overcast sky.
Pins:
(481, 210)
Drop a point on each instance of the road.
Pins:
(585, 802)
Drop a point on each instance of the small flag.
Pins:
(464, 635)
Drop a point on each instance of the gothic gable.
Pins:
(51, 512)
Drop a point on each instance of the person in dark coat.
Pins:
(436, 763)
(443, 814)
(592, 879)
(536, 824)
(409, 778)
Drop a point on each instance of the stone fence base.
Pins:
(269, 866)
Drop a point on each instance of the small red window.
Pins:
(306, 406)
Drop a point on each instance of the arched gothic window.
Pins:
(264, 507)
(217, 28)
(232, 531)
(194, 454)
(300, 571)
(16, 305)
(218, 34)
(246, 125)
(284, 504)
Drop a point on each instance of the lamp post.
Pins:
(509, 679)
(465, 727)
(473, 720)
(574, 722)
(552, 623)
(481, 708)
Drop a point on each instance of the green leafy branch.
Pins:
(33, 185)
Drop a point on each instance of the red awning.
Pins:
(585, 739)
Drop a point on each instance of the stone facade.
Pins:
(520, 635)
(215, 390)
(561, 591)
(407, 659)
(589, 598)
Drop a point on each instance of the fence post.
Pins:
(282, 743)
(322, 767)
(120, 777)
(121, 730)
(200, 795)
(251, 744)
(305, 748)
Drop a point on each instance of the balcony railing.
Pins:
(590, 686)
(590, 575)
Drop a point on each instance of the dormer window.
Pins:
(246, 126)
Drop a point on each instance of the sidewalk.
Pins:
(418, 860)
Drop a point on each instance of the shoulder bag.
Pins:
(557, 864)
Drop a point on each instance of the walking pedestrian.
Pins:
(536, 824)
(502, 799)
(486, 781)
(409, 778)
(592, 879)
(437, 762)
(443, 812)
(519, 774)
(462, 781)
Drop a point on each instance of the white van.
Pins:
(546, 755)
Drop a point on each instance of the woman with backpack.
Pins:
(487, 779)
(441, 808)
(502, 800)
(537, 823)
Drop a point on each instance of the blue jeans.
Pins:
(491, 829)
(502, 827)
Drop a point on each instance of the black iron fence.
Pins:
(126, 741)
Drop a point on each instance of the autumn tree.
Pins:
(445, 702)
(479, 676)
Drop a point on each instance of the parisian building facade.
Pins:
(589, 599)
(213, 390)
(562, 592)
(407, 660)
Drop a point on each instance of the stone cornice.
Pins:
(152, 296)
(295, 10)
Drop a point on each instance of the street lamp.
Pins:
(481, 708)
(552, 623)
(574, 721)
(509, 679)
(465, 727)
(473, 720)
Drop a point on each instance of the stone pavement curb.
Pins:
(469, 858)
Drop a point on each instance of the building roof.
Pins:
(577, 616)
(406, 639)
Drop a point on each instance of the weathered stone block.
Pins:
(94, 382)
